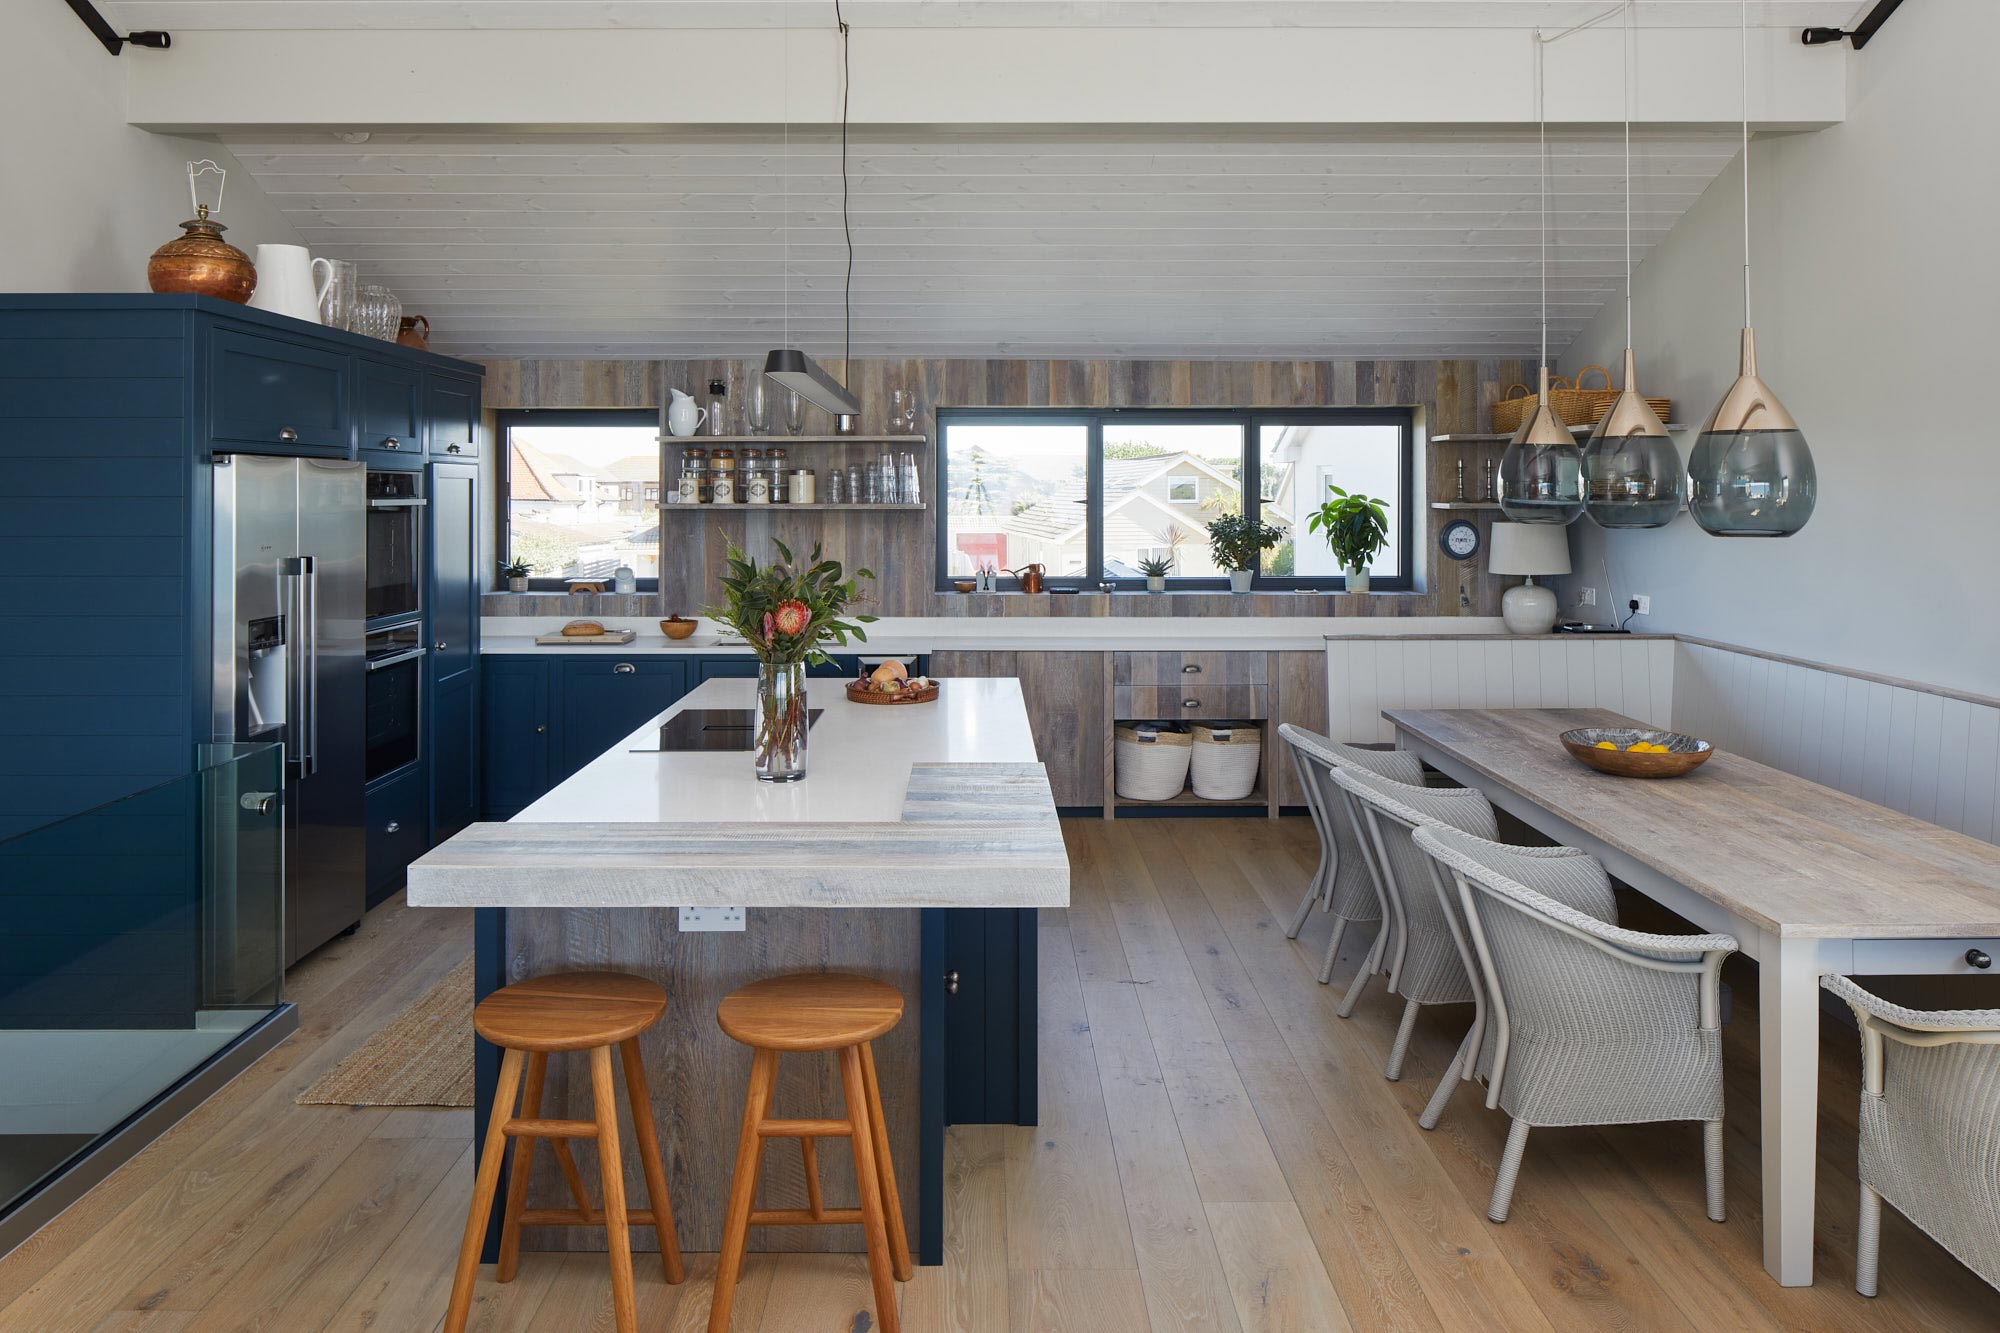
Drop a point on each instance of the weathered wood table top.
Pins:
(1793, 857)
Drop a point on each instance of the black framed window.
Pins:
(1090, 495)
(579, 494)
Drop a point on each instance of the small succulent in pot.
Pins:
(1156, 570)
(1356, 528)
(517, 572)
(1237, 542)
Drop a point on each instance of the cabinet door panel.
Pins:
(516, 742)
(1300, 680)
(267, 395)
(390, 409)
(451, 408)
(606, 700)
(454, 758)
(398, 829)
(451, 521)
(1064, 694)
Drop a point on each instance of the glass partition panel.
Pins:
(137, 940)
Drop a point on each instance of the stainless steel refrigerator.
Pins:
(289, 612)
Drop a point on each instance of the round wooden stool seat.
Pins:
(570, 1011)
(810, 1011)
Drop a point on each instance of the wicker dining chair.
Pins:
(1342, 886)
(1422, 959)
(1930, 1128)
(1587, 1023)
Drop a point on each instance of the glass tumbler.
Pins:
(795, 412)
(336, 307)
(757, 410)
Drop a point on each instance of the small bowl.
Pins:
(1684, 753)
(965, 585)
(676, 628)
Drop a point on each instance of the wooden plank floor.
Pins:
(1218, 1151)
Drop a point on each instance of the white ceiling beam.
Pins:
(236, 81)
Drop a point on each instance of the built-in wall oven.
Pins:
(395, 544)
(392, 733)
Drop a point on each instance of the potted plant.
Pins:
(787, 616)
(1155, 570)
(1357, 528)
(517, 571)
(1237, 542)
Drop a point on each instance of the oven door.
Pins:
(395, 688)
(395, 544)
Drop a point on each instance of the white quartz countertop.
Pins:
(938, 804)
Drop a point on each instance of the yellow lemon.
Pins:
(1606, 745)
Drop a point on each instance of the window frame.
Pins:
(507, 418)
(1251, 422)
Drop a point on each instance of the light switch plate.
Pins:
(1588, 595)
(711, 918)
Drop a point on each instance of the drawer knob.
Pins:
(394, 827)
(539, 730)
(454, 448)
(439, 646)
(1979, 958)
(392, 443)
(288, 435)
(1190, 668)
(1190, 703)
(624, 669)
(951, 982)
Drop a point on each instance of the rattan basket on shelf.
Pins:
(1575, 405)
(1662, 408)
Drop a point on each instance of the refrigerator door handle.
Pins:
(302, 662)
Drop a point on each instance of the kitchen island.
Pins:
(916, 850)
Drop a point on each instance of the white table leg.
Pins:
(1788, 1035)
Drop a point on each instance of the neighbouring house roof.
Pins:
(1060, 517)
(531, 475)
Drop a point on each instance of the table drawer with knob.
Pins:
(1199, 703)
(1928, 958)
(1177, 669)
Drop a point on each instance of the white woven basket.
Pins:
(1152, 762)
(1225, 760)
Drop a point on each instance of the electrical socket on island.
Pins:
(711, 918)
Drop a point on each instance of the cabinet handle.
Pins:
(1190, 668)
(454, 448)
(439, 646)
(542, 728)
(394, 827)
(1190, 703)
(624, 669)
(951, 982)
(392, 443)
(1979, 958)
(258, 802)
(288, 435)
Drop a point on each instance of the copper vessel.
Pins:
(409, 335)
(1031, 577)
(200, 261)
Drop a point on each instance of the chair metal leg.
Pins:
(485, 1184)
(1447, 1084)
(742, 1190)
(1369, 967)
(1305, 909)
(611, 1166)
(1711, 1158)
(1868, 1242)
(1401, 1047)
(1332, 950)
(1510, 1170)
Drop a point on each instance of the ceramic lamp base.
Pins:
(1528, 609)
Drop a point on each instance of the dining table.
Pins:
(1810, 881)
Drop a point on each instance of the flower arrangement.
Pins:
(786, 615)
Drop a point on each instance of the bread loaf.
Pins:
(582, 629)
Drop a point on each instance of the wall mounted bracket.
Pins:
(1859, 34)
(105, 33)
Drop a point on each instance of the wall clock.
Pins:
(1459, 539)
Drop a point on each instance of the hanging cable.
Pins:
(785, 176)
(1745, 12)
(1631, 64)
(1542, 182)
(846, 226)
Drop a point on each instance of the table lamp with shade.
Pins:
(1536, 550)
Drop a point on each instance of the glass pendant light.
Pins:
(1541, 474)
(1631, 470)
(1751, 472)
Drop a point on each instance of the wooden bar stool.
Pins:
(821, 1011)
(529, 1021)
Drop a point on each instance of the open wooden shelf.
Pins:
(1491, 437)
(775, 437)
(779, 509)
(1465, 504)
(1187, 797)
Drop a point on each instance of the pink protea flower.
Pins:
(793, 617)
(768, 623)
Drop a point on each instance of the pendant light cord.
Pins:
(1631, 63)
(785, 176)
(846, 227)
(1542, 182)
(1745, 12)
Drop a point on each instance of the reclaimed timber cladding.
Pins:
(1451, 397)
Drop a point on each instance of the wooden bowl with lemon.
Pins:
(1634, 752)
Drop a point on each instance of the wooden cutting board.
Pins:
(616, 637)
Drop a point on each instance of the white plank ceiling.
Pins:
(1157, 243)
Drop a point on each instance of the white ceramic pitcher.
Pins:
(683, 417)
(291, 282)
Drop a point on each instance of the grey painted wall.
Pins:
(89, 198)
(1877, 293)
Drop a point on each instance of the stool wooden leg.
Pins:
(604, 1096)
(483, 1188)
(809, 1154)
(649, 1158)
(892, 1204)
(742, 1190)
(869, 1184)
(517, 1179)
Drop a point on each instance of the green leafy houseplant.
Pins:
(1356, 527)
(1236, 541)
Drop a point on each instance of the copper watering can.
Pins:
(1030, 576)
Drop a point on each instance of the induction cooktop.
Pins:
(710, 729)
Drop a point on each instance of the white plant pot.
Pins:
(1156, 583)
(517, 583)
(1239, 579)
(1357, 579)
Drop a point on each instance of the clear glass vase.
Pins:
(783, 721)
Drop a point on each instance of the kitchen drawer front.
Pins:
(270, 396)
(1178, 669)
(1196, 703)
(390, 409)
(398, 828)
(605, 699)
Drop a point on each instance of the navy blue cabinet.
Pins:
(452, 538)
(451, 411)
(516, 737)
(604, 701)
(389, 410)
(269, 394)
(398, 813)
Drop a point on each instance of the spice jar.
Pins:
(694, 476)
(722, 477)
(756, 478)
(774, 464)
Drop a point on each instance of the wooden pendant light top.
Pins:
(810, 1011)
(569, 1011)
